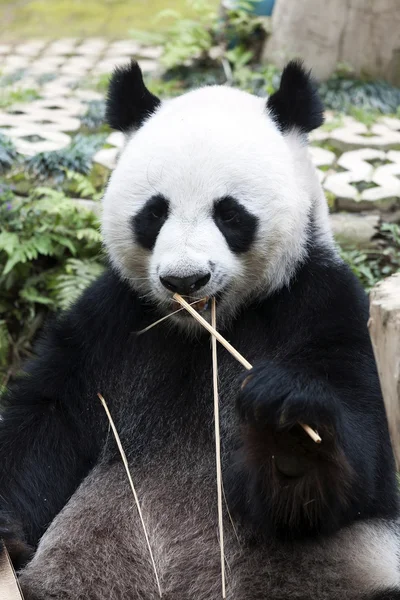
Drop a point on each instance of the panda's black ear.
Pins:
(296, 104)
(129, 102)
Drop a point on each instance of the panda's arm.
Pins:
(49, 438)
(326, 378)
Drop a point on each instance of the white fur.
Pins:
(204, 145)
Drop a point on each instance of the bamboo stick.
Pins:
(313, 434)
(218, 445)
(128, 473)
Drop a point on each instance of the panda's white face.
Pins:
(209, 199)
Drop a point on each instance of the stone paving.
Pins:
(59, 71)
(361, 168)
(358, 167)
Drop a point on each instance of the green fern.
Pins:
(89, 234)
(8, 242)
(82, 186)
(8, 153)
(78, 275)
(76, 157)
(50, 250)
(30, 294)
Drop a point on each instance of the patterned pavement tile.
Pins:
(359, 166)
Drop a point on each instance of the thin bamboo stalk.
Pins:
(313, 434)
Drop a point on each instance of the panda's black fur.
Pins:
(307, 517)
(129, 102)
(296, 103)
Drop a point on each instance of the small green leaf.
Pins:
(32, 295)
(18, 257)
(8, 242)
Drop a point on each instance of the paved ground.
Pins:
(359, 167)
(60, 73)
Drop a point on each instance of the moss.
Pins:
(328, 146)
(364, 185)
(324, 168)
(378, 163)
(9, 97)
(366, 116)
(108, 18)
(336, 122)
(331, 200)
(98, 176)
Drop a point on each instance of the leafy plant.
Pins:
(208, 39)
(372, 265)
(243, 29)
(82, 186)
(343, 93)
(46, 241)
(262, 81)
(189, 38)
(79, 274)
(95, 115)
(8, 153)
(166, 88)
(76, 157)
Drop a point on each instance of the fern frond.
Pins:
(8, 242)
(31, 294)
(78, 275)
(90, 234)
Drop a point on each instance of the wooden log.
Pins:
(9, 586)
(384, 328)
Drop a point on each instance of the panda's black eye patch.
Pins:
(236, 223)
(147, 223)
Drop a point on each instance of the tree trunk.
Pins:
(384, 327)
(364, 34)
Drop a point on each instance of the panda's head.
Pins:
(214, 193)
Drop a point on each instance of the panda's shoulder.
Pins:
(107, 299)
(324, 300)
(100, 309)
(328, 285)
(86, 333)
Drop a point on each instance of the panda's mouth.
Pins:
(201, 305)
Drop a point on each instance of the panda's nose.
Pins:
(185, 285)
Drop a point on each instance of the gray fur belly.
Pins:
(95, 548)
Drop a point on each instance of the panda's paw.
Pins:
(293, 482)
(13, 537)
(272, 396)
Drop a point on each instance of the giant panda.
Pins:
(214, 196)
